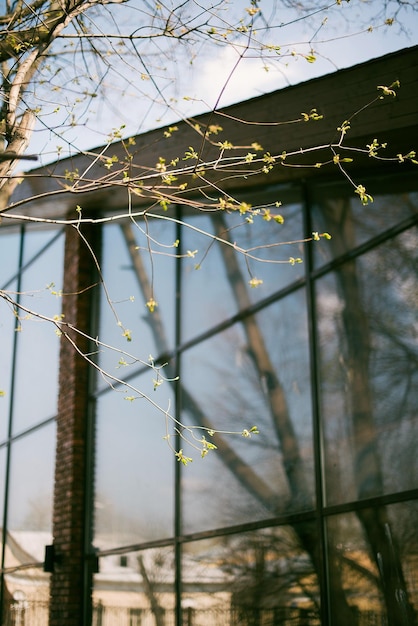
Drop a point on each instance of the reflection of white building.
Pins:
(137, 588)
(144, 583)
(27, 588)
(127, 588)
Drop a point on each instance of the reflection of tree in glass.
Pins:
(273, 579)
(275, 397)
(375, 524)
(372, 324)
(149, 587)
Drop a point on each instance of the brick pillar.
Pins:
(70, 580)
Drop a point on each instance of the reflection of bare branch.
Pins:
(243, 472)
(146, 289)
(306, 531)
(258, 351)
(286, 435)
(358, 567)
(239, 468)
(367, 465)
(150, 593)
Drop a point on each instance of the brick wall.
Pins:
(70, 581)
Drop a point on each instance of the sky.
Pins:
(341, 41)
(193, 78)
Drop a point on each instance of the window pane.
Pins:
(257, 374)
(369, 379)
(373, 565)
(132, 275)
(26, 589)
(350, 223)
(135, 589)
(3, 452)
(36, 387)
(9, 255)
(7, 337)
(9, 261)
(29, 521)
(263, 577)
(134, 467)
(209, 296)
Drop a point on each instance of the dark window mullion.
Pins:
(178, 408)
(323, 575)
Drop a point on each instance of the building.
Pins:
(313, 520)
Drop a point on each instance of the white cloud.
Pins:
(220, 73)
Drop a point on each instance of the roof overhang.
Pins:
(339, 96)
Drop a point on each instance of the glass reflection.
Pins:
(373, 558)
(29, 526)
(209, 294)
(367, 316)
(134, 466)
(134, 274)
(30, 492)
(352, 224)
(263, 577)
(36, 386)
(10, 242)
(7, 342)
(257, 372)
(3, 453)
(236, 380)
(135, 589)
(26, 597)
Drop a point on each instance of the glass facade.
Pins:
(31, 260)
(311, 521)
